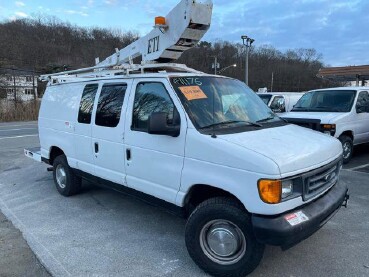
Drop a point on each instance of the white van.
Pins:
(281, 102)
(205, 146)
(340, 112)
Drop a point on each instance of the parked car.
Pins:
(280, 102)
(204, 146)
(339, 112)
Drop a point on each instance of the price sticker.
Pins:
(193, 93)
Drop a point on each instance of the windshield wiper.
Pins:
(266, 119)
(231, 122)
(300, 109)
(327, 109)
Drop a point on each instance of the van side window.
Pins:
(87, 103)
(150, 98)
(110, 105)
(363, 101)
(278, 104)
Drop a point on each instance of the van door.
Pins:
(154, 162)
(83, 129)
(362, 118)
(108, 131)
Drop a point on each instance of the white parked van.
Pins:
(281, 102)
(339, 112)
(206, 146)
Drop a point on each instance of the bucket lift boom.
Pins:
(179, 31)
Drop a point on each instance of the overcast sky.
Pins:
(339, 29)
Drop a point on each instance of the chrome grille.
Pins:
(321, 179)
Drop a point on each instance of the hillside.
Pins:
(48, 45)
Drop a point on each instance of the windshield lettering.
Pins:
(187, 81)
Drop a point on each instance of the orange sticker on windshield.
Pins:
(193, 93)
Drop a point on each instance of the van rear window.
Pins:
(110, 105)
(87, 103)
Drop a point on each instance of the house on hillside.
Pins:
(18, 84)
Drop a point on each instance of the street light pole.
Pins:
(247, 41)
(223, 69)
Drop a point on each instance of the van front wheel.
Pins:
(220, 239)
(66, 182)
(348, 148)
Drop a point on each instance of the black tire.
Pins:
(72, 183)
(348, 148)
(229, 210)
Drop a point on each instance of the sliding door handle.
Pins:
(128, 154)
(96, 147)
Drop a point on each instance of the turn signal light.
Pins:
(329, 126)
(160, 20)
(270, 191)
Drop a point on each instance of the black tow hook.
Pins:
(49, 169)
(345, 201)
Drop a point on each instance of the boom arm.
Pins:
(184, 26)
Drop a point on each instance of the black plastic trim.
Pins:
(277, 231)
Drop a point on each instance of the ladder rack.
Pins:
(124, 70)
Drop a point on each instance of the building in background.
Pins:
(351, 75)
(18, 84)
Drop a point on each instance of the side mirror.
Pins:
(278, 107)
(158, 125)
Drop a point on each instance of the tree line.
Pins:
(47, 45)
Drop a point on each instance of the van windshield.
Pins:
(326, 101)
(265, 97)
(221, 103)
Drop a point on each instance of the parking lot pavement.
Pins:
(360, 161)
(101, 232)
(16, 257)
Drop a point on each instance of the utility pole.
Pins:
(15, 89)
(33, 86)
(216, 65)
(271, 85)
(247, 41)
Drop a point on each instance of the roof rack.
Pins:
(179, 31)
(125, 69)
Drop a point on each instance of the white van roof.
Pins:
(343, 88)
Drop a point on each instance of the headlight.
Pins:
(276, 191)
(287, 188)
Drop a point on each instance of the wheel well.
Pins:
(201, 193)
(55, 152)
(350, 134)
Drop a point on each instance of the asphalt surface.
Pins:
(16, 257)
(101, 232)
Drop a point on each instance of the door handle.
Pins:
(128, 154)
(96, 147)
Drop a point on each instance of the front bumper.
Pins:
(288, 229)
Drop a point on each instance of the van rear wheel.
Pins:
(220, 239)
(66, 182)
(348, 148)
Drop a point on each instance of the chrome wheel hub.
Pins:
(61, 177)
(222, 242)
